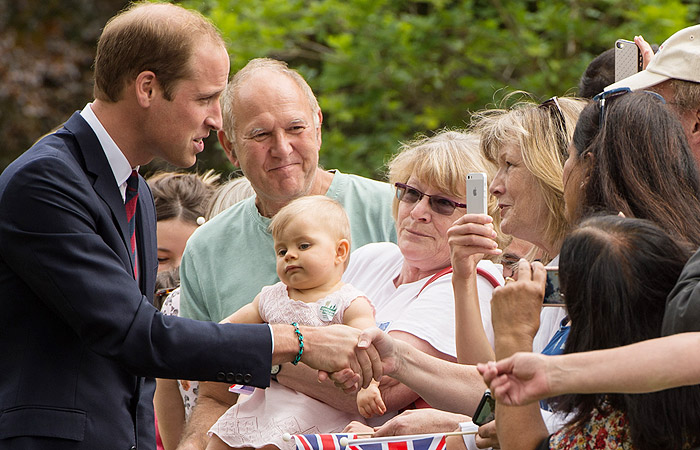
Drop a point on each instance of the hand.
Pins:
(645, 49)
(419, 421)
(487, 437)
(387, 348)
(470, 238)
(370, 338)
(335, 348)
(356, 427)
(370, 403)
(520, 379)
(516, 307)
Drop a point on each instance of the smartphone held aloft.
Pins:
(628, 59)
(476, 193)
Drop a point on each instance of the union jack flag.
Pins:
(320, 441)
(332, 442)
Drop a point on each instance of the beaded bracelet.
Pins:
(301, 343)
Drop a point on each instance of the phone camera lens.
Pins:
(619, 44)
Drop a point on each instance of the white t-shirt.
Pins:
(431, 317)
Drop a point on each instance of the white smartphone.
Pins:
(628, 59)
(476, 193)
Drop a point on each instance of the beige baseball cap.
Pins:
(678, 57)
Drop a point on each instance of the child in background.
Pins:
(312, 243)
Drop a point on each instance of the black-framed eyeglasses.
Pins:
(555, 109)
(604, 97)
(439, 204)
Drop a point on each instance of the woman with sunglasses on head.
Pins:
(628, 155)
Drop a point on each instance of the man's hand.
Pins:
(333, 349)
(520, 379)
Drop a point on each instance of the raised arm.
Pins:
(647, 366)
(471, 237)
(515, 310)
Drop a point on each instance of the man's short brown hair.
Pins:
(159, 37)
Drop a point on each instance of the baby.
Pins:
(312, 243)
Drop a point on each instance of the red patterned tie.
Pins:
(130, 201)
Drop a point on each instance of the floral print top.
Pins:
(607, 428)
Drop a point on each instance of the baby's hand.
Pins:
(185, 384)
(370, 403)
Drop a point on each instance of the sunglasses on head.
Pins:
(558, 115)
(604, 97)
(440, 205)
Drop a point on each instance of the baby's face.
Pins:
(307, 255)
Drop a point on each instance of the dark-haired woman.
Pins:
(615, 274)
(629, 155)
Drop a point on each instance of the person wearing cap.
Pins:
(674, 73)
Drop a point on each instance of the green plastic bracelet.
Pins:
(301, 343)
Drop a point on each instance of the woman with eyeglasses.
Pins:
(628, 155)
(411, 282)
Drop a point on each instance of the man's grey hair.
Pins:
(255, 65)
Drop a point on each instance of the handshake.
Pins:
(346, 355)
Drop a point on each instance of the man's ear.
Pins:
(342, 251)
(228, 147)
(694, 135)
(146, 87)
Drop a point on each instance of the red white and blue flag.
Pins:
(241, 389)
(332, 442)
(320, 441)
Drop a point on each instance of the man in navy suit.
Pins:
(79, 339)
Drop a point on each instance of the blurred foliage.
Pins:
(383, 70)
(47, 49)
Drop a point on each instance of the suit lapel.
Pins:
(98, 168)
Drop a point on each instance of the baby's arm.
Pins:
(247, 314)
(360, 314)
(369, 401)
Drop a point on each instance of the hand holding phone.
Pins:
(476, 193)
(486, 411)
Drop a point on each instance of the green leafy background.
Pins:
(383, 70)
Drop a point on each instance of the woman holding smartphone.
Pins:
(628, 155)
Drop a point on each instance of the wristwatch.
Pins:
(274, 371)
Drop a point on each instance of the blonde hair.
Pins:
(160, 37)
(537, 131)
(254, 67)
(322, 209)
(228, 194)
(443, 161)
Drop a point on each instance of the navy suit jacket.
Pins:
(79, 338)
